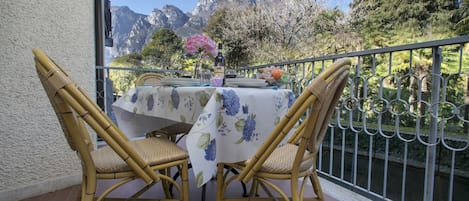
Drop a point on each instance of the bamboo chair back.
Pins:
(73, 107)
(321, 97)
(150, 79)
(313, 129)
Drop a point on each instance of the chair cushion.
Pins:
(281, 160)
(154, 151)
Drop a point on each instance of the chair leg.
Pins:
(165, 183)
(234, 171)
(220, 182)
(316, 185)
(185, 181)
(204, 191)
(86, 193)
(176, 175)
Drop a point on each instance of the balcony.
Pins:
(400, 131)
(333, 192)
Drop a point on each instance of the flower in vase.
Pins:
(201, 45)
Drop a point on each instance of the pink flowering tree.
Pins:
(202, 47)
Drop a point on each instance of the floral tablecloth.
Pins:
(229, 124)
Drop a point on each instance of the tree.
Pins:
(332, 34)
(124, 80)
(215, 24)
(264, 32)
(164, 50)
(385, 23)
(461, 15)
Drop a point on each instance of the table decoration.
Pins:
(216, 82)
(274, 76)
(203, 48)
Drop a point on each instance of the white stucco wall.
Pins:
(35, 157)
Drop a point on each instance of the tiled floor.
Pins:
(71, 193)
(234, 190)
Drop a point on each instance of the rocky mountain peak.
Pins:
(157, 18)
(176, 18)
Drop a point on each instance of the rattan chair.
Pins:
(295, 160)
(149, 79)
(145, 159)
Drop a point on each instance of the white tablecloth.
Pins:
(229, 124)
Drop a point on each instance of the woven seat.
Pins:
(282, 159)
(153, 151)
(148, 159)
(295, 160)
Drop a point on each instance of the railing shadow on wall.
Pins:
(401, 129)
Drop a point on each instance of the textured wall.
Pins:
(35, 157)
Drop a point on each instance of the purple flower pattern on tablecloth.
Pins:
(150, 103)
(189, 102)
(245, 109)
(249, 127)
(160, 101)
(204, 116)
(175, 98)
(278, 100)
(210, 151)
(134, 97)
(230, 102)
(291, 99)
(223, 129)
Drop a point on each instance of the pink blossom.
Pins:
(200, 44)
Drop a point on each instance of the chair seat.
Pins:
(152, 150)
(281, 160)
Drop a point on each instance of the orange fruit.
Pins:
(276, 74)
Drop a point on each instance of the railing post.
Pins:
(432, 137)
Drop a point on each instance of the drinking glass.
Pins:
(204, 77)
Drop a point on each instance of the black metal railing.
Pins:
(401, 130)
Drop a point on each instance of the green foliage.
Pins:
(393, 22)
(216, 24)
(461, 16)
(128, 60)
(164, 50)
(124, 80)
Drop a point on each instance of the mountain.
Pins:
(131, 31)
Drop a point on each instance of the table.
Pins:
(229, 124)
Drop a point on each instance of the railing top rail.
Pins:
(138, 69)
(427, 44)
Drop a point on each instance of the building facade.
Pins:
(35, 157)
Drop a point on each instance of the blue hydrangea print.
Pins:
(291, 99)
(175, 98)
(245, 109)
(230, 102)
(210, 151)
(249, 127)
(150, 103)
(134, 97)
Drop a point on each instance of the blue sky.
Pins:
(146, 6)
